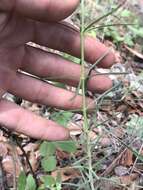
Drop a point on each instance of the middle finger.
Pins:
(54, 67)
(65, 38)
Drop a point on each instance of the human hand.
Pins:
(23, 21)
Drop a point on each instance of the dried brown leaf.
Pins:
(128, 179)
(66, 173)
(3, 149)
(11, 166)
(127, 158)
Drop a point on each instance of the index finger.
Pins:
(43, 10)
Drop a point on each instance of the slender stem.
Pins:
(84, 108)
(109, 25)
(83, 67)
(136, 159)
(104, 16)
(28, 162)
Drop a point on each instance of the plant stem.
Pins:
(84, 108)
(104, 16)
(83, 67)
(28, 162)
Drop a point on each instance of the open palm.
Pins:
(23, 21)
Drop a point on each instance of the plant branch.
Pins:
(104, 16)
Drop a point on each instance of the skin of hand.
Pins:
(23, 21)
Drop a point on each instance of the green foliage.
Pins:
(126, 13)
(125, 33)
(59, 85)
(49, 163)
(50, 182)
(26, 182)
(135, 126)
(47, 148)
(62, 117)
(71, 58)
(30, 183)
(114, 34)
(21, 181)
(136, 31)
(67, 146)
(123, 27)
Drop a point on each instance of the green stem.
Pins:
(84, 108)
(83, 67)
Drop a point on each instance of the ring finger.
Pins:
(54, 67)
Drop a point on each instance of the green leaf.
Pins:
(30, 183)
(126, 13)
(62, 117)
(71, 58)
(47, 148)
(135, 126)
(41, 188)
(60, 85)
(140, 32)
(21, 181)
(67, 146)
(49, 181)
(128, 40)
(49, 164)
(58, 178)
